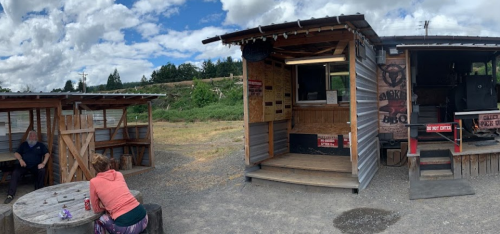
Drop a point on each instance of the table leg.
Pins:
(82, 229)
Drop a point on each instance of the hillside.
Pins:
(194, 100)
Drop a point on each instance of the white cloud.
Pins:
(148, 29)
(156, 6)
(47, 42)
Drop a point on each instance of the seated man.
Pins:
(32, 156)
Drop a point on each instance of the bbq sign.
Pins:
(438, 127)
(489, 121)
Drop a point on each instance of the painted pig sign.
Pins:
(392, 98)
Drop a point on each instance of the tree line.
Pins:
(167, 73)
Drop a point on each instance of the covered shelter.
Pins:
(76, 125)
(451, 104)
(310, 101)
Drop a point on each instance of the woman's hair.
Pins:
(100, 163)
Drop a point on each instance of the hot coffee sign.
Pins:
(489, 121)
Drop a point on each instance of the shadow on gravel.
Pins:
(365, 220)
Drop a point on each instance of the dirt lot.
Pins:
(209, 195)
(199, 182)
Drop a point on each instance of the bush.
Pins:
(202, 95)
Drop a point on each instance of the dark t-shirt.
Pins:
(32, 156)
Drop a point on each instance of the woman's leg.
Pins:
(107, 223)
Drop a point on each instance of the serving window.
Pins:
(313, 80)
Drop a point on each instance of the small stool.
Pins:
(155, 220)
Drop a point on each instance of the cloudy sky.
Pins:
(44, 43)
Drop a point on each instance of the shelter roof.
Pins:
(93, 101)
(356, 23)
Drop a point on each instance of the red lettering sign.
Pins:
(328, 141)
(489, 121)
(438, 128)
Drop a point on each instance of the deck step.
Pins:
(311, 162)
(297, 171)
(306, 179)
(435, 160)
(436, 174)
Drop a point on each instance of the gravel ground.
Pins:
(213, 197)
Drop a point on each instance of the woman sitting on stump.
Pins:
(109, 192)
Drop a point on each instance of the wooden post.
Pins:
(150, 135)
(104, 118)
(62, 146)
(125, 131)
(271, 138)
(10, 132)
(50, 137)
(246, 124)
(354, 119)
(414, 168)
(38, 125)
(456, 135)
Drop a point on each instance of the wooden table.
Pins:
(6, 157)
(9, 158)
(41, 208)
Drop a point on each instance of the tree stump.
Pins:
(114, 164)
(155, 220)
(126, 162)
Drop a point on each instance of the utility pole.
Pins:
(84, 77)
(426, 27)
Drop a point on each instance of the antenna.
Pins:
(84, 77)
(426, 27)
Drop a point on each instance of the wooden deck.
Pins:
(305, 169)
(136, 170)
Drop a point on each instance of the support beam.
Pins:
(150, 135)
(38, 125)
(354, 116)
(10, 132)
(50, 137)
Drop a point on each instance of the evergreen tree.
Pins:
(187, 71)
(118, 81)
(110, 85)
(144, 81)
(154, 78)
(208, 69)
(68, 86)
(80, 86)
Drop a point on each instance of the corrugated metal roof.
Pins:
(358, 21)
(466, 41)
(69, 94)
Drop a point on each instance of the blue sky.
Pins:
(48, 42)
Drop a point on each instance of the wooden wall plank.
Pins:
(494, 163)
(78, 141)
(482, 164)
(271, 138)
(488, 164)
(62, 147)
(474, 165)
(71, 160)
(457, 167)
(465, 166)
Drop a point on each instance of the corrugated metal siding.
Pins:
(259, 139)
(366, 101)
(280, 134)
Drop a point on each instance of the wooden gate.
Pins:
(77, 145)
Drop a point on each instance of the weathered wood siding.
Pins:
(466, 166)
(320, 115)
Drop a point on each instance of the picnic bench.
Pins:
(41, 208)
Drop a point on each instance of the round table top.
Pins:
(41, 207)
